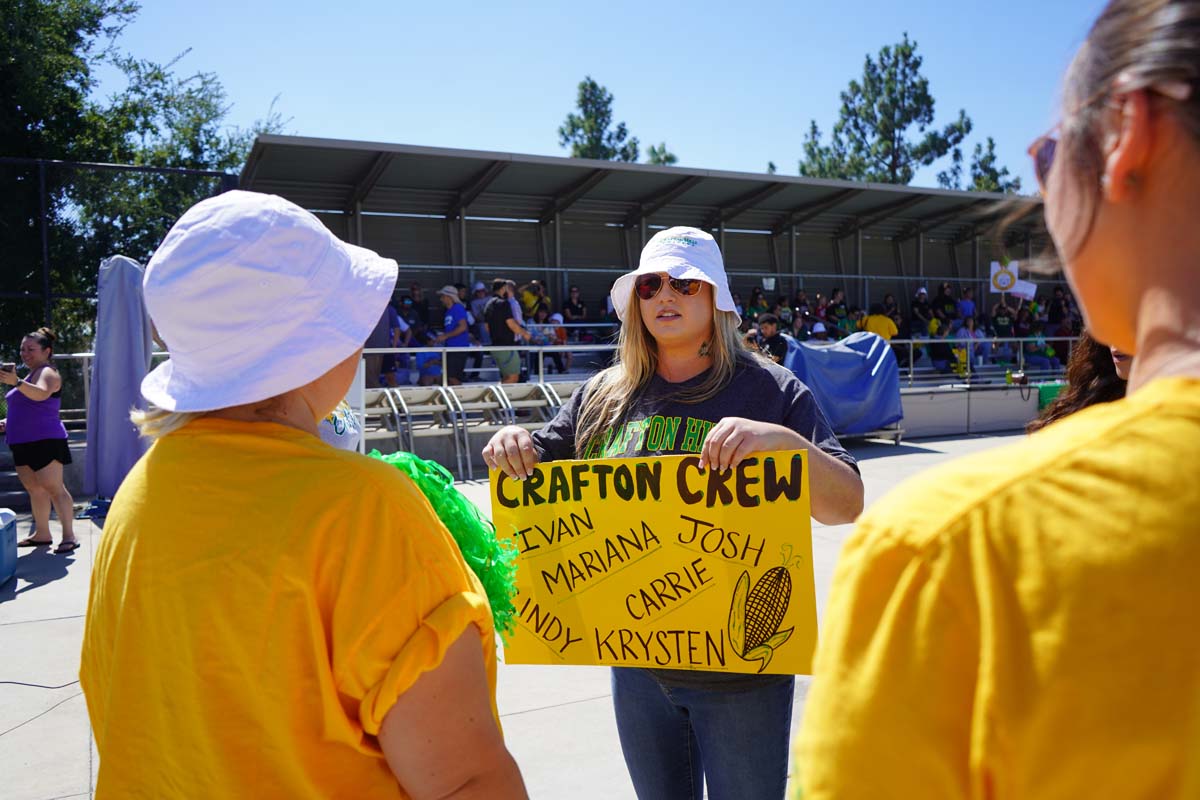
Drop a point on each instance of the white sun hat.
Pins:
(681, 253)
(254, 297)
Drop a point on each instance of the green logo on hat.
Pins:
(683, 240)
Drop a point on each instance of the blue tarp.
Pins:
(856, 380)
(122, 359)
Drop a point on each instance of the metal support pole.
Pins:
(46, 310)
(975, 265)
(792, 248)
(721, 231)
(642, 229)
(87, 387)
(858, 267)
(462, 235)
(557, 240)
(921, 253)
(1028, 247)
(358, 233)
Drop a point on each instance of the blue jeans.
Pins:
(674, 739)
(1044, 363)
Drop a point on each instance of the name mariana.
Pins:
(599, 561)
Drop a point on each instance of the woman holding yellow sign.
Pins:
(681, 358)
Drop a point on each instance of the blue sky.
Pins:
(727, 86)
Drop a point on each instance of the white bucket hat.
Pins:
(681, 253)
(254, 297)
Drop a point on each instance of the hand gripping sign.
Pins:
(651, 562)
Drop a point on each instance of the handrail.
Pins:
(914, 376)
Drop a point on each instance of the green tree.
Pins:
(871, 139)
(661, 155)
(771, 168)
(161, 119)
(590, 133)
(986, 174)
(952, 178)
(49, 51)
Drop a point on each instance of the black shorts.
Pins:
(37, 455)
(456, 365)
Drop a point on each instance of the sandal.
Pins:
(29, 541)
(67, 547)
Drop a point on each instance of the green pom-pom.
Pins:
(492, 560)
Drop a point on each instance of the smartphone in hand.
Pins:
(8, 367)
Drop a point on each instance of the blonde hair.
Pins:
(614, 391)
(154, 423)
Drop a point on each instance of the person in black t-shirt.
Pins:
(837, 310)
(1060, 308)
(1003, 325)
(922, 312)
(770, 340)
(574, 310)
(420, 306)
(504, 330)
(945, 307)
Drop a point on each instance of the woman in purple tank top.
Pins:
(38, 439)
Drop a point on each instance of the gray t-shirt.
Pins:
(657, 425)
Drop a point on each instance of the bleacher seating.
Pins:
(426, 412)
(407, 417)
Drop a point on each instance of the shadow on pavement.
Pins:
(38, 567)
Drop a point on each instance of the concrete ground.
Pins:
(558, 721)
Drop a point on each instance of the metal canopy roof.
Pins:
(378, 178)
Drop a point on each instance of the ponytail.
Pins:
(44, 336)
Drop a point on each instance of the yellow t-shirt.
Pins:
(1022, 623)
(880, 324)
(259, 601)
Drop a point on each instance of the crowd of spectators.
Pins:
(956, 324)
(466, 317)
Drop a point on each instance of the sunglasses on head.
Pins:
(648, 286)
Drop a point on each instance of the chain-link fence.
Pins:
(59, 220)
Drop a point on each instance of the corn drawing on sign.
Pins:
(755, 615)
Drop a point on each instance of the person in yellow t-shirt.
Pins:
(1021, 624)
(269, 616)
(878, 322)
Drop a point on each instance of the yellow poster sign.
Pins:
(651, 562)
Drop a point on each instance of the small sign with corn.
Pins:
(652, 562)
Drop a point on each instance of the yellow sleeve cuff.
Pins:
(423, 652)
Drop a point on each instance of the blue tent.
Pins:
(122, 358)
(856, 380)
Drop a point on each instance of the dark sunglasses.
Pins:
(1042, 152)
(648, 286)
